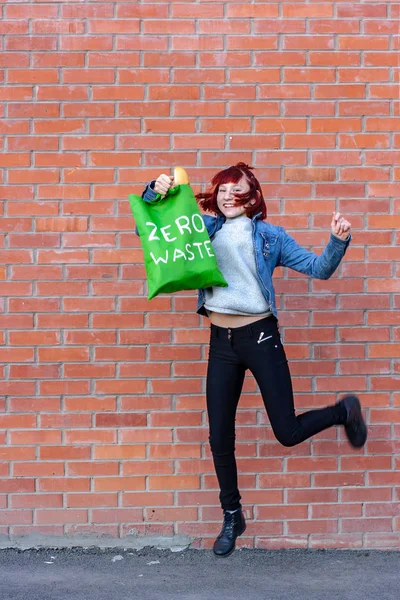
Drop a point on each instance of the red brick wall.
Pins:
(103, 425)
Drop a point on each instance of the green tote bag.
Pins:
(178, 254)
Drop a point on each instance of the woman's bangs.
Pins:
(231, 175)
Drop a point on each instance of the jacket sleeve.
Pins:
(210, 223)
(148, 194)
(317, 266)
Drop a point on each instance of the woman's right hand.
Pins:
(163, 184)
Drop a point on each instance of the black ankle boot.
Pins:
(233, 526)
(355, 427)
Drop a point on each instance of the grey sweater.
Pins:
(234, 251)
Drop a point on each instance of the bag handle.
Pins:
(171, 192)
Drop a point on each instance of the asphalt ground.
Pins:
(151, 574)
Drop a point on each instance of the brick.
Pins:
(282, 512)
(173, 482)
(89, 109)
(92, 468)
(34, 372)
(314, 43)
(341, 26)
(367, 11)
(91, 500)
(16, 516)
(106, 484)
(31, 272)
(32, 338)
(146, 467)
(63, 484)
(310, 75)
(152, 435)
(88, 142)
(197, 43)
(370, 495)
(51, 320)
(18, 388)
(121, 420)
(233, 59)
(128, 386)
(63, 354)
(121, 353)
(274, 125)
(57, 59)
(279, 26)
(22, 94)
(5, 468)
(38, 469)
(365, 524)
(17, 76)
(50, 530)
(90, 337)
(38, 110)
(16, 355)
(382, 540)
(342, 91)
(61, 516)
(15, 485)
(31, 43)
(62, 288)
(52, 126)
(14, 59)
(350, 541)
(16, 453)
(117, 515)
(36, 501)
(375, 27)
(64, 453)
(313, 495)
(274, 542)
(145, 403)
(284, 480)
(15, 160)
(54, 26)
(20, 143)
(384, 350)
(315, 174)
(55, 421)
(120, 452)
(285, 91)
(89, 437)
(363, 42)
(91, 371)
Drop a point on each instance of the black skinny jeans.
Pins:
(256, 347)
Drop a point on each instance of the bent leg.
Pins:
(269, 365)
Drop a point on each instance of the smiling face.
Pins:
(226, 198)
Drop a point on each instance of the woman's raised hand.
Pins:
(339, 226)
(163, 184)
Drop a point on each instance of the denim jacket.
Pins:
(274, 247)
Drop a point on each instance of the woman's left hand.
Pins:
(340, 227)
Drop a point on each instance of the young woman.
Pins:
(244, 327)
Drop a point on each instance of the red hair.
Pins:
(208, 200)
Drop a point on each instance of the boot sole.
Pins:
(356, 412)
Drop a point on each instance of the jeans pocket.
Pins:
(270, 345)
(264, 338)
